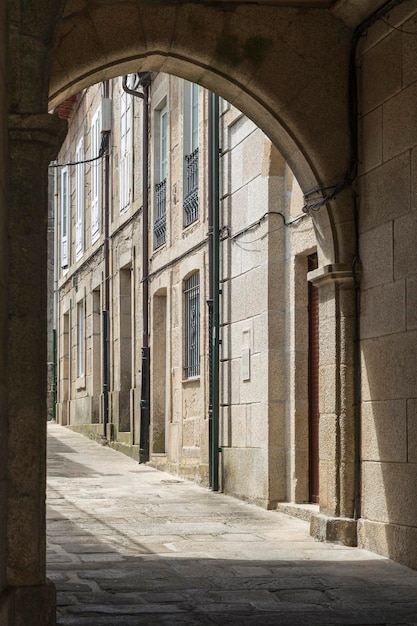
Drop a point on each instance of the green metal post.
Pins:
(215, 292)
(54, 375)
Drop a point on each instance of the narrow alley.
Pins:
(128, 545)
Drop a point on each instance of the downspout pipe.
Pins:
(55, 303)
(54, 373)
(214, 291)
(106, 295)
(210, 285)
(145, 399)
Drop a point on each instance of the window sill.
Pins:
(80, 383)
(95, 237)
(191, 380)
(186, 227)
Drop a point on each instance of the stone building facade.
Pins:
(265, 242)
(331, 83)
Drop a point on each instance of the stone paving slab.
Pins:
(131, 546)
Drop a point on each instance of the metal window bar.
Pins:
(192, 326)
(190, 203)
(160, 223)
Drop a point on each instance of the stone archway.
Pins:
(287, 69)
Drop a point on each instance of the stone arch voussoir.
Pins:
(286, 69)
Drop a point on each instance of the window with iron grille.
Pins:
(160, 220)
(192, 326)
(190, 202)
(160, 224)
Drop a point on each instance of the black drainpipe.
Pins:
(210, 298)
(145, 398)
(214, 292)
(106, 298)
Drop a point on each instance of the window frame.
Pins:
(95, 173)
(192, 353)
(194, 116)
(163, 144)
(125, 149)
(81, 340)
(191, 153)
(79, 198)
(160, 175)
(65, 217)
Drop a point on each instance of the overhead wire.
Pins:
(101, 153)
(258, 222)
(351, 170)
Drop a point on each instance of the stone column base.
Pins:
(391, 540)
(335, 529)
(28, 606)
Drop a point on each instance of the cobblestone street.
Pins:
(128, 545)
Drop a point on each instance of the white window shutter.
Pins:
(80, 194)
(95, 175)
(65, 205)
(125, 151)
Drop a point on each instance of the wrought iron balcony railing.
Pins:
(190, 202)
(160, 222)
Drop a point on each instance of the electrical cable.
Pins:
(351, 170)
(189, 251)
(400, 30)
(258, 223)
(101, 154)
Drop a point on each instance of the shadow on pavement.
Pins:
(131, 546)
(119, 581)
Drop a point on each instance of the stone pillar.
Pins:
(3, 296)
(336, 522)
(27, 599)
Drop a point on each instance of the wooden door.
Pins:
(313, 384)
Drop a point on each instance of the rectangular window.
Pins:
(192, 326)
(163, 150)
(79, 199)
(194, 116)
(161, 185)
(80, 340)
(190, 203)
(125, 154)
(65, 210)
(95, 176)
